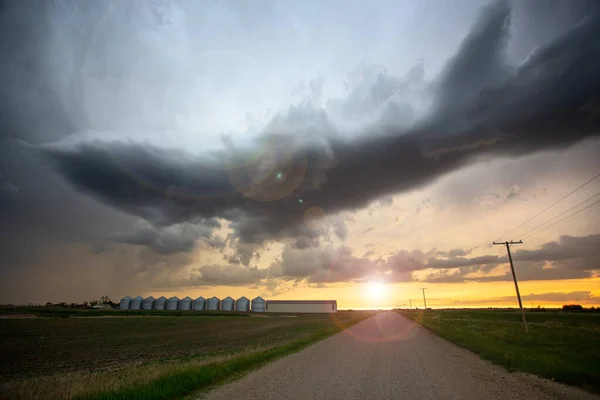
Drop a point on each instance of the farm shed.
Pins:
(213, 303)
(148, 303)
(136, 303)
(302, 306)
(173, 303)
(160, 303)
(125, 303)
(259, 304)
(186, 303)
(200, 304)
(242, 304)
(227, 304)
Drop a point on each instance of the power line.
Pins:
(550, 206)
(561, 214)
(560, 220)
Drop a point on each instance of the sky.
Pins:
(347, 150)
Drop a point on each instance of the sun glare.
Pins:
(376, 290)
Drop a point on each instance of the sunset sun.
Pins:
(376, 290)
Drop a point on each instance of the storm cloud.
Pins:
(142, 143)
(483, 106)
(568, 258)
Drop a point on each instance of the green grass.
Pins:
(559, 346)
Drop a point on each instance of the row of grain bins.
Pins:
(257, 304)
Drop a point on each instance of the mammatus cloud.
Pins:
(302, 165)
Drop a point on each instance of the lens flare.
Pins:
(273, 171)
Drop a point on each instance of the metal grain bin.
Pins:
(200, 304)
(242, 304)
(160, 303)
(213, 303)
(259, 304)
(136, 303)
(173, 303)
(125, 303)
(186, 303)
(227, 304)
(148, 303)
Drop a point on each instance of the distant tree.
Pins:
(572, 307)
(48, 304)
(105, 300)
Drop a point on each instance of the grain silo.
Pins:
(259, 304)
(125, 303)
(213, 303)
(227, 304)
(136, 303)
(173, 303)
(148, 303)
(200, 304)
(242, 304)
(160, 303)
(186, 303)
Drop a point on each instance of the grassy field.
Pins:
(560, 346)
(58, 312)
(115, 356)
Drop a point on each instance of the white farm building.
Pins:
(302, 306)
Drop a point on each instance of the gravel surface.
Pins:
(389, 357)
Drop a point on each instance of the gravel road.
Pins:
(389, 357)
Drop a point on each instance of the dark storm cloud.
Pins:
(226, 275)
(172, 239)
(484, 106)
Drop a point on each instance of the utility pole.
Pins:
(512, 268)
(410, 304)
(424, 301)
